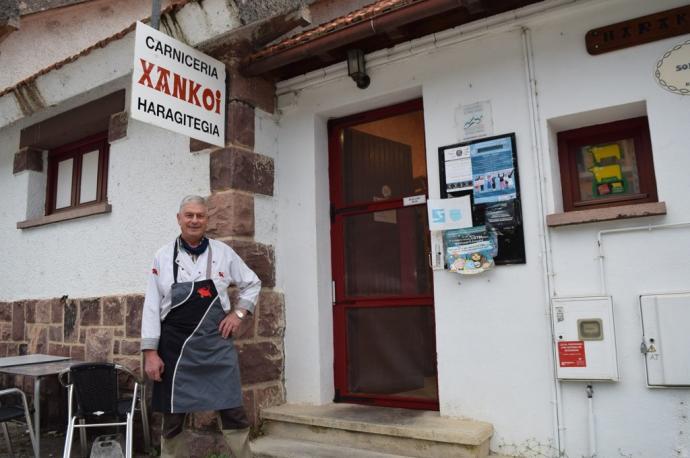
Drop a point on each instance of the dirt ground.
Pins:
(52, 444)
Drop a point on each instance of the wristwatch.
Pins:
(240, 314)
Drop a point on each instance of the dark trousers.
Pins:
(235, 418)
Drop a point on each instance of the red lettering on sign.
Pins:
(162, 84)
(209, 101)
(193, 93)
(146, 77)
(179, 87)
(182, 88)
(572, 354)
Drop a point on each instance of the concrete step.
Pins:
(403, 432)
(276, 447)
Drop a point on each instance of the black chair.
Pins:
(16, 412)
(94, 390)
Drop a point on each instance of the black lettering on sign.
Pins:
(638, 31)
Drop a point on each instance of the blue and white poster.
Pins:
(493, 171)
(447, 214)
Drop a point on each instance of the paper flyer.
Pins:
(493, 172)
(470, 250)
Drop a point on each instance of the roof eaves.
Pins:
(99, 44)
(360, 15)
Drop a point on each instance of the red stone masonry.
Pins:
(237, 173)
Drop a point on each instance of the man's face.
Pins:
(193, 219)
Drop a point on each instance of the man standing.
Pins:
(187, 329)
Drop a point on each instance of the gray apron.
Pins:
(201, 367)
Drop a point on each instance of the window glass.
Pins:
(385, 253)
(384, 159)
(89, 177)
(607, 170)
(63, 197)
(606, 165)
(392, 351)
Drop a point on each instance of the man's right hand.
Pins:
(153, 365)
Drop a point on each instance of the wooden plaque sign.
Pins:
(639, 31)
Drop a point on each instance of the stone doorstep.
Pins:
(271, 447)
(403, 423)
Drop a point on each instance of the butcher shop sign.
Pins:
(178, 88)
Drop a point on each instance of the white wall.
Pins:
(493, 331)
(473, 368)
(149, 172)
(632, 420)
(62, 32)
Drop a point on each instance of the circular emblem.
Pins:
(673, 69)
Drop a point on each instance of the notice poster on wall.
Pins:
(447, 214)
(474, 120)
(471, 250)
(485, 170)
(493, 172)
(458, 168)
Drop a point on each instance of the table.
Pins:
(37, 366)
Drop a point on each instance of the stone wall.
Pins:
(108, 329)
(238, 173)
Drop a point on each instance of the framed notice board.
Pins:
(486, 169)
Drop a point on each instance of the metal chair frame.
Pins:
(139, 393)
(6, 433)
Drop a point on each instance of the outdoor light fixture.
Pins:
(356, 68)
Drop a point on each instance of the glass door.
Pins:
(385, 347)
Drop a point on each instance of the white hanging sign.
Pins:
(176, 87)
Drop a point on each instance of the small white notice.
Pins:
(414, 200)
(474, 120)
(176, 87)
(447, 214)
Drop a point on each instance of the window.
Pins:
(607, 165)
(77, 174)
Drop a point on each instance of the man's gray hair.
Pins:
(193, 199)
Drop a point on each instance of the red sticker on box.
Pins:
(572, 353)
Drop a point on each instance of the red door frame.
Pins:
(340, 210)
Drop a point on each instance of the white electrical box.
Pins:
(584, 338)
(666, 338)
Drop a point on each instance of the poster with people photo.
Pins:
(486, 169)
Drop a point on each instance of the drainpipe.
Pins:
(155, 14)
(600, 244)
(590, 422)
(386, 21)
(544, 235)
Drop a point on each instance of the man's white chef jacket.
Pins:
(227, 268)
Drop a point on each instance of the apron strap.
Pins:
(209, 261)
(175, 261)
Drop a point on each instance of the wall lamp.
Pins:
(356, 68)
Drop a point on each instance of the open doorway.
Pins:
(384, 330)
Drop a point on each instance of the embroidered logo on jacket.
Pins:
(221, 274)
(204, 292)
(154, 271)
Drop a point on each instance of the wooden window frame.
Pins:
(569, 143)
(76, 151)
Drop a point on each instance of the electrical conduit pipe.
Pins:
(544, 235)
